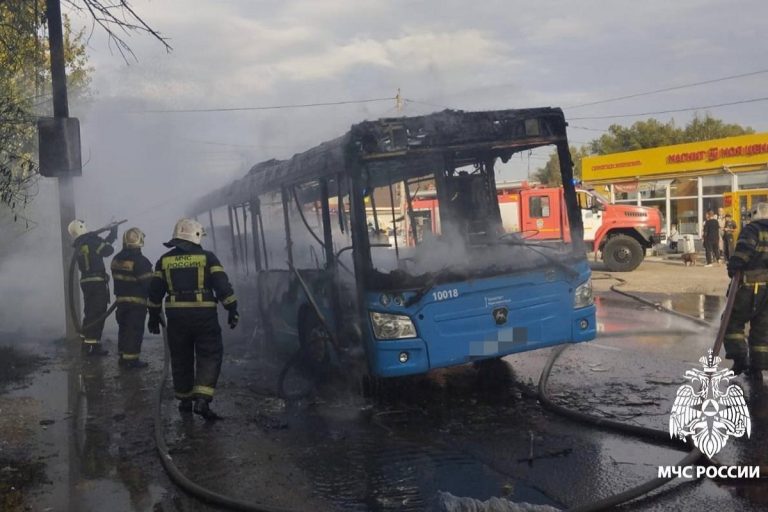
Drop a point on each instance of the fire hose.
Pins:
(655, 435)
(658, 436)
(179, 478)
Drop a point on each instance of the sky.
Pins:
(494, 54)
(472, 56)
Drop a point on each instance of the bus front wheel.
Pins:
(622, 253)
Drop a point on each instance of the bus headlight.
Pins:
(389, 327)
(583, 297)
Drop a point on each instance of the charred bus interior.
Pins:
(310, 238)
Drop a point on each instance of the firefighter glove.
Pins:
(233, 318)
(112, 236)
(153, 325)
(735, 265)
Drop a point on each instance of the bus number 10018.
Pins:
(445, 294)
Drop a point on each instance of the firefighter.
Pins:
(91, 250)
(132, 273)
(194, 281)
(751, 301)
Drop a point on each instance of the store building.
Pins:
(682, 180)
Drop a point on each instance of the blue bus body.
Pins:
(315, 265)
(456, 322)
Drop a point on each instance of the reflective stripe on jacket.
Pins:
(132, 273)
(191, 277)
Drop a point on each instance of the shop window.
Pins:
(654, 189)
(625, 191)
(751, 180)
(713, 203)
(684, 187)
(683, 212)
(712, 185)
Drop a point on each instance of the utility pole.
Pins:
(66, 184)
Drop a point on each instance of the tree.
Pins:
(24, 89)
(650, 133)
(641, 135)
(550, 173)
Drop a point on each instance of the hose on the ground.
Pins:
(179, 478)
(655, 305)
(644, 432)
(605, 503)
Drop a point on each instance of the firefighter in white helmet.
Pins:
(194, 282)
(751, 301)
(91, 250)
(132, 273)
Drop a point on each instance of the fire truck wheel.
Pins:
(622, 253)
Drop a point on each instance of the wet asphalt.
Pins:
(468, 432)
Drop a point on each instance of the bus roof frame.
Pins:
(395, 144)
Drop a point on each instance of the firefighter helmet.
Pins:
(189, 230)
(133, 238)
(760, 211)
(77, 228)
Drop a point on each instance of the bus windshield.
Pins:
(449, 220)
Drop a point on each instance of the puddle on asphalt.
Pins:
(370, 471)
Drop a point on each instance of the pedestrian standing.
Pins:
(674, 238)
(132, 273)
(194, 282)
(751, 301)
(729, 227)
(711, 238)
(90, 250)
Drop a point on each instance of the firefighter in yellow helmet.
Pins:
(132, 273)
(751, 301)
(91, 250)
(194, 282)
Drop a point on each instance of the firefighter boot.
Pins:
(132, 363)
(739, 366)
(203, 408)
(94, 350)
(185, 405)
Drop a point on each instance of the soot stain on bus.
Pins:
(338, 270)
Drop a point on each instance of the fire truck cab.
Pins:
(618, 234)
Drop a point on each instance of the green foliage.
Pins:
(25, 92)
(550, 173)
(650, 133)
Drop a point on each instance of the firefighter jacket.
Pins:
(132, 273)
(91, 250)
(751, 252)
(191, 277)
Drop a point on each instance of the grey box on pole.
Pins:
(59, 146)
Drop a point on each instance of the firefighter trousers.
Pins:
(95, 301)
(750, 305)
(194, 340)
(130, 321)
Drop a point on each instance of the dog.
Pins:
(689, 259)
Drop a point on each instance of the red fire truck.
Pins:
(619, 234)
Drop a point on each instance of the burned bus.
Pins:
(317, 246)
